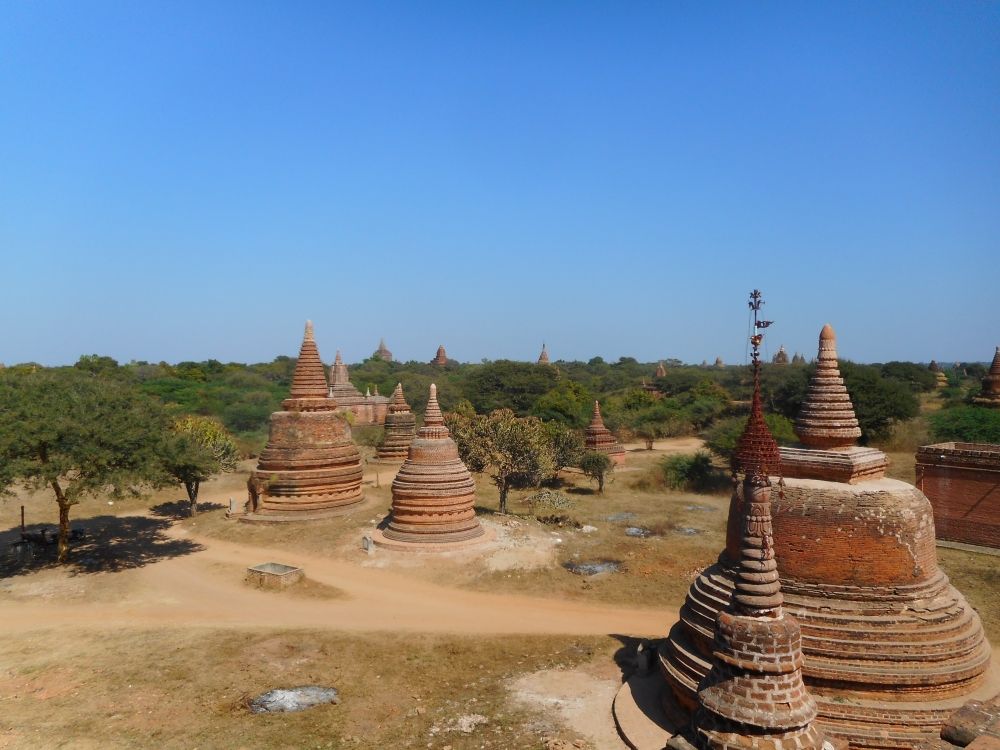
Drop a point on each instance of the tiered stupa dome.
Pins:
(599, 438)
(310, 468)
(990, 395)
(400, 428)
(441, 358)
(433, 495)
(826, 418)
(780, 357)
(543, 358)
(890, 647)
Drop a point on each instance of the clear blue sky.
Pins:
(184, 180)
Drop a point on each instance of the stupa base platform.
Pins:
(381, 540)
(302, 515)
(641, 718)
(846, 465)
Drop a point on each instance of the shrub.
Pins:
(692, 472)
(967, 424)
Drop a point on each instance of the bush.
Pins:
(692, 472)
(966, 424)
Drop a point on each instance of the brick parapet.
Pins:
(962, 481)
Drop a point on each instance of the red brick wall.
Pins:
(966, 501)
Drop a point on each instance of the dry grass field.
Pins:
(151, 638)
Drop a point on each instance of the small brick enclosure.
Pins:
(962, 481)
(272, 575)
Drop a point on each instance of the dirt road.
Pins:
(205, 588)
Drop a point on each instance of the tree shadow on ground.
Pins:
(582, 491)
(182, 509)
(100, 544)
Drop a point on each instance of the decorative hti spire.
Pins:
(432, 415)
(543, 358)
(755, 687)
(826, 419)
(309, 377)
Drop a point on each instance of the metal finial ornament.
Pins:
(756, 453)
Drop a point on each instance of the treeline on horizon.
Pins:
(702, 400)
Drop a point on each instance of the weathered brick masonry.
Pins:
(962, 481)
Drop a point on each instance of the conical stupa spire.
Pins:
(309, 378)
(599, 438)
(543, 358)
(995, 367)
(432, 415)
(990, 395)
(398, 402)
(826, 418)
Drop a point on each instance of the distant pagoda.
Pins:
(990, 395)
(543, 358)
(441, 358)
(383, 352)
(661, 370)
(780, 357)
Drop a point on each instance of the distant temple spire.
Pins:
(543, 358)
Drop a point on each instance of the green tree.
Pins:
(198, 448)
(567, 445)
(966, 424)
(78, 435)
(514, 451)
(597, 466)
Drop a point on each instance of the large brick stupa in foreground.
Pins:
(890, 647)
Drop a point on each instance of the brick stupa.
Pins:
(400, 428)
(441, 358)
(754, 695)
(828, 428)
(599, 438)
(383, 352)
(780, 357)
(433, 495)
(661, 371)
(941, 380)
(310, 468)
(543, 358)
(990, 395)
(364, 408)
(890, 647)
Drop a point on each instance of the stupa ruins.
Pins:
(400, 428)
(661, 370)
(441, 358)
(990, 395)
(310, 468)
(365, 409)
(599, 438)
(543, 358)
(890, 647)
(433, 495)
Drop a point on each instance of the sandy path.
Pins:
(205, 589)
